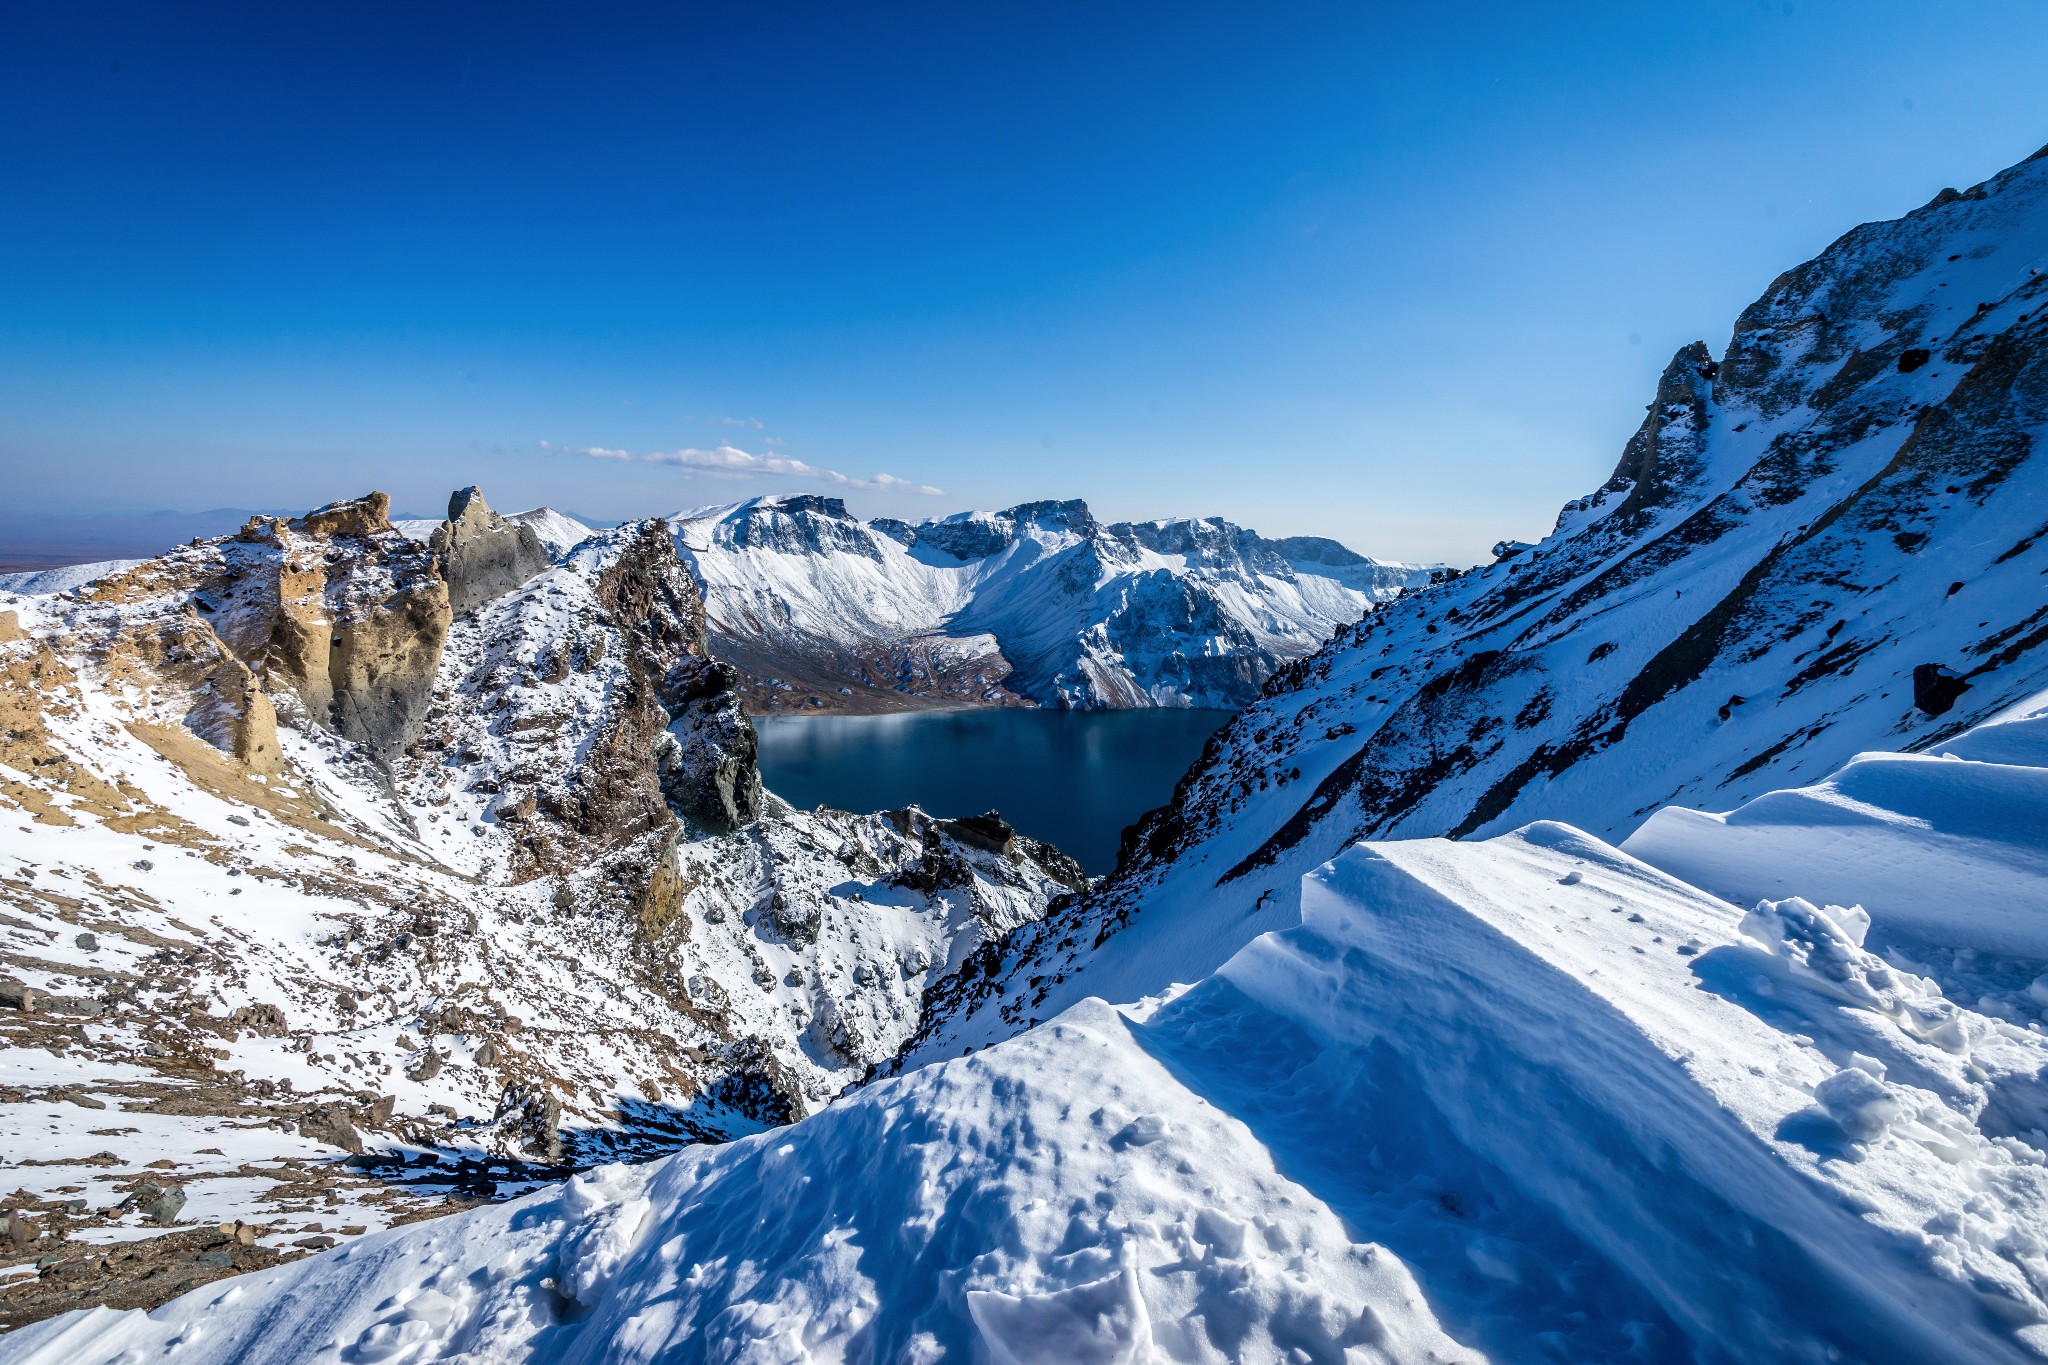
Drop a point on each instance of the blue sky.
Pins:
(1403, 275)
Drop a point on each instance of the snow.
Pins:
(969, 1203)
(1948, 847)
(48, 582)
(1521, 1098)
(559, 532)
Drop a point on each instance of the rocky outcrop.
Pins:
(1665, 456)
(606, 720)
(706, 762)
(482, 555)
(347, 614)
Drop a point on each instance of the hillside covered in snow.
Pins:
(1832, 538)
(1520, 1098)
(1037, 605)
(345, 874)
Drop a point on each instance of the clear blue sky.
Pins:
(1404, 275)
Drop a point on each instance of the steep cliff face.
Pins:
(334, 614)
(1040, 604)
(1829, 540)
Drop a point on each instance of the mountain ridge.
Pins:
(1038, 604)
(1826, 541)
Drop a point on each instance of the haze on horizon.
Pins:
(1397, 275)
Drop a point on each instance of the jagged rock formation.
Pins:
(482, 555)
(1040, 604)
(1829, 540)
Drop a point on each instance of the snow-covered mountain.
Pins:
(1832, 538)
(1041, 604)
(1631, 950)
(1521, 1098)
(299, 859)
(44, 582)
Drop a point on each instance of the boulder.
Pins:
(263, 1020)
(529, 1120)
(160, 1203)
(333, 1124)
(368, 515)
(1935, 689)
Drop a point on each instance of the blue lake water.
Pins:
(1072, 778)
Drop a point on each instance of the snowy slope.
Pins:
(1525, 1098)
(1040, 603)
(1827, 541)
(558, 531)
(46, 582)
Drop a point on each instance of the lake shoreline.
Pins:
(1074, 779)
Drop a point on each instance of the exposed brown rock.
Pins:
(365, 516)
(355, 627)
(334, 1125)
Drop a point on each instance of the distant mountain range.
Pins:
(1040, 604)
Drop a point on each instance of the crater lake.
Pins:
(1071, 778)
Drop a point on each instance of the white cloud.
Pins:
(726, 461)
